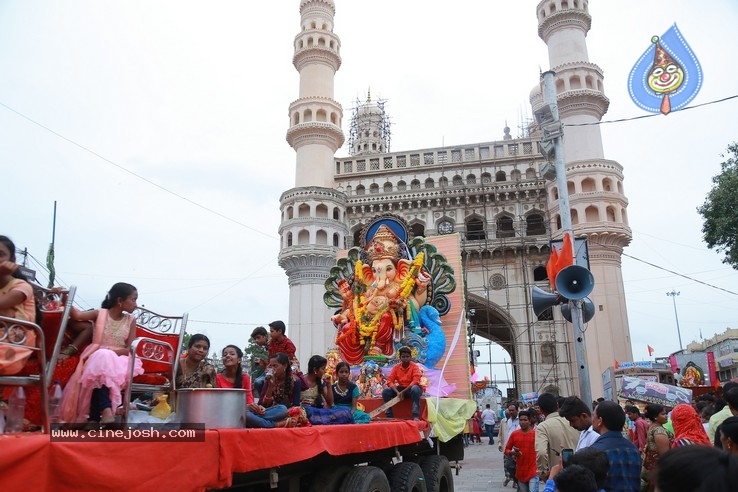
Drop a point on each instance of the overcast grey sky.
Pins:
(160, 131)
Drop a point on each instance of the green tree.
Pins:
(720, 210)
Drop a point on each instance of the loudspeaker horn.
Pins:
(588, 310)
(543, 300)
(574, 282)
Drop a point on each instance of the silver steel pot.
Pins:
(217, 408)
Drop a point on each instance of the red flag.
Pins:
(617, 365)
(650, 350)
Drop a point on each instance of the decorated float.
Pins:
(392, 291)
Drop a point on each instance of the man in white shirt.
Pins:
(488, 418)
(511, 424)
(580, 417)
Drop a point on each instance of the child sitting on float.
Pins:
(94, 390)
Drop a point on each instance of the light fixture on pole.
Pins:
(673, 295)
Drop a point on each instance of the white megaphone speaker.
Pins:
(543, 300)
(574, 282)
(588, 310)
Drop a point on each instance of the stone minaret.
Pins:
(598, 204)
(313, 212)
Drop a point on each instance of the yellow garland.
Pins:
(367, 330)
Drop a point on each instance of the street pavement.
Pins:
(481, 470)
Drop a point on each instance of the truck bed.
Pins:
(33, 462)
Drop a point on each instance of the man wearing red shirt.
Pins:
(404, 378)
(521, 445)
(641, 426)
(278, 342)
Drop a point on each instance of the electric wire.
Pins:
(633, 118)
(136, 175)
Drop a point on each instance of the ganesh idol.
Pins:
(386, 302)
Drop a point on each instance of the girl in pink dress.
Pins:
(94, 390)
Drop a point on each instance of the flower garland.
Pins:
(368, 325)
(409, 283)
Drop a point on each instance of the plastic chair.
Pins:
(157, 344)
(13, 334)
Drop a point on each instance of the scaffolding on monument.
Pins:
(519, 245)
(363, 116)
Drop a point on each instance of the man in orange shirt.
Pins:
(404, 378)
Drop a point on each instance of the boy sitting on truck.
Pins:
(404, 378)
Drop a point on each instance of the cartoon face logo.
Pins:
(665, 78)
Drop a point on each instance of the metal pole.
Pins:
(585, 388)
(489, 360)
(673, 295)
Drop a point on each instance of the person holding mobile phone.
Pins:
(589, 458)
(566, 455)
(552, 435)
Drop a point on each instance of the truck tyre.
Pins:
(406, 477)
(437, 473)
(329, 479)
(365, 479)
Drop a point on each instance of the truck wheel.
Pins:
(437, 473)
(365, 479)
(407, 477)
(329, 479)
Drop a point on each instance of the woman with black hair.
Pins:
(232, 375)
(192, 370)
(280, 392)
(316, 391)
(728, 431)
(658, 441)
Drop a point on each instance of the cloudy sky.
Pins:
(159, 128)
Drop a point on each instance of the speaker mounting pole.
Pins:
(556, 135)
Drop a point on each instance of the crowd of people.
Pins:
(564, 444)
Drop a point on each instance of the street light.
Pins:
(673, 295)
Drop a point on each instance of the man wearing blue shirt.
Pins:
(625, 460)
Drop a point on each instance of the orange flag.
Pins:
(559, 260)
(566, 257)
(650, 350)
(617, 365)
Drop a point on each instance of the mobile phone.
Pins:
(566, 455)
